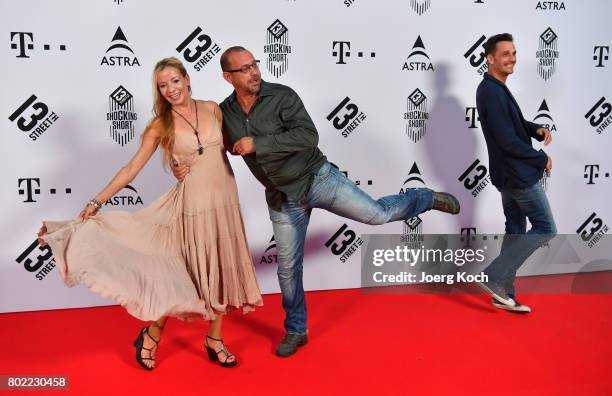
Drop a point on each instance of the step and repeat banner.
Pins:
(389, 84)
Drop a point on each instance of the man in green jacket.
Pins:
(269, 127)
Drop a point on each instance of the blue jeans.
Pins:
(334, 192)
(519, 205)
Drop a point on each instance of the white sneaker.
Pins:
(516, 307)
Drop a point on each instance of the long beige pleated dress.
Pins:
(185, 255)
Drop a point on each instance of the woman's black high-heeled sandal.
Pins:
(213, 355)
(139, 344)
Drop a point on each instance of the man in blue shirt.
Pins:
(515, 168)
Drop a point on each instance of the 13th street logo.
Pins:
(18, 42)
(599, 115)
(416, 115)
(591, 172)
(418, 59)
(37, 259)
(412, 228)
(544, 118)
(30, 186)
(475, 178)
(198, 49)
(592, 230)
(119, 45)
(476, 56)
(30, 113)
(126, 197)
(547, 54)
(420, 6)
(344, 243)
(121, 115)
(277, 47)
(346, 117)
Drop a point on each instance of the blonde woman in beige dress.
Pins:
(186, 254)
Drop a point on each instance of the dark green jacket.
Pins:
(286, 153)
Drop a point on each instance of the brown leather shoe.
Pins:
(446, 202)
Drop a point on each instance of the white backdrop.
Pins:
(71, 56)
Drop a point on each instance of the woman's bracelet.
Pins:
(95, 203)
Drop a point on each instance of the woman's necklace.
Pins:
(195, 128)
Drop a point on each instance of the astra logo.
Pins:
(342, 50)
(550, 6)
(270, 256)
(37, 259)
(591, 172)
(476, 56)
(544, 118)
(119, 45)
(420, 6)
(600, 54)
(416, 115)
(344, 243)
(547, 54)
(31, 186)
(592, 230)
(30, 114)
(121, 115)
(126, 197)
(475, 178)
(198, 49)
(599, 115)
(471, 117)
(277, 47)
(418, 59)
(346, 117)
(24, 42)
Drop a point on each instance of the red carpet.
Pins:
(359, 344)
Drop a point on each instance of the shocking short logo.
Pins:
(413, 227)
(121, 115)
(547, 54)
(277, 47)
(420, 6)
(416, 115)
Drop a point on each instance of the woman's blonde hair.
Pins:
(163, 110)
